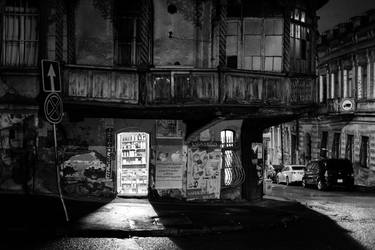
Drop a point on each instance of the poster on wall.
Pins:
(170, 164)
(203, 173)
(168, 129)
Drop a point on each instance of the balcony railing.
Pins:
(179, 87)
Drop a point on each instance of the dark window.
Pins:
(308, 147)
(364, 81)
(126, 31)
(349, 148)
(364, 152)
(300, 41)
(324, 88)
(323, 144)
(336, 146)
(20, 33)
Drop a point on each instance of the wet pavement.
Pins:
(38, 223)
(352, 210)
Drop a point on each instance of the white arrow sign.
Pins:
(51, 74)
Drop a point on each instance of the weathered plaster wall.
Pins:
(17, 151)
(357, 128)
(179, 49)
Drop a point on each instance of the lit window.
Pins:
(20, 34)
(227, 138)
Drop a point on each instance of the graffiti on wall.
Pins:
(85, 174)
(17, 151)
(204, 171)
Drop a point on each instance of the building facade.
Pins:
(344, 126)
(162, 99)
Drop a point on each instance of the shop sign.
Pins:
(109, 152)
(204, 171)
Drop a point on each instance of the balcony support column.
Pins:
(251, 132)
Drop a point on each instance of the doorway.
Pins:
(132, 164)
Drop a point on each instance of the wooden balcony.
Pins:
(178, 89)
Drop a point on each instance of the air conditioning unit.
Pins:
(347, 105)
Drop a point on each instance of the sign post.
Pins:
(53, 111)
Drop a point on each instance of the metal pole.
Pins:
(58, 173)
(282, 144)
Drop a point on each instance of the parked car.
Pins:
(290, 174)
(327, 173)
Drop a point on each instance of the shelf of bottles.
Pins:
(134, 165)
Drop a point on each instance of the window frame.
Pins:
(240, 37)
(131, 15)
(301, 32)
(31, 9)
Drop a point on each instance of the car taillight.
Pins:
(293, 172)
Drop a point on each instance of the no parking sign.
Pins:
(53, 108)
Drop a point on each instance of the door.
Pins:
(132, 164)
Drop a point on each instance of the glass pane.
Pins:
(297, 31)
(231, 48)
(232, 28)
(292, 30)
(273, 45)
(125, 29)
(273, 26)
(253, 26)
(303, 16)
(256, 63)
(277, 64)
(124, 54)
(297, 14)
(269, 64)
(252, 45)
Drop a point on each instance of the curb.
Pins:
(166, 232)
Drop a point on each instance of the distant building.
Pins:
(344, 127)
(162, 99)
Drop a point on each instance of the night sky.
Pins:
(339, 11)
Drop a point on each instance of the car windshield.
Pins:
(299, 168)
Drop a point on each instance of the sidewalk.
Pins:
(122, 218)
